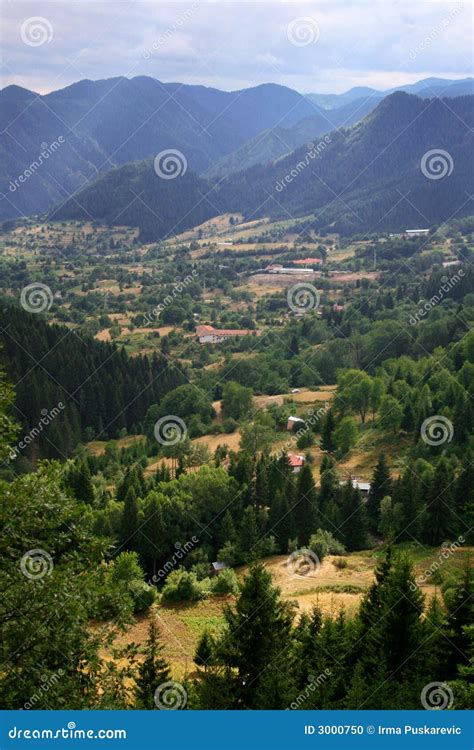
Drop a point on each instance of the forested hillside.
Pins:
(102, 390)
(354, 180)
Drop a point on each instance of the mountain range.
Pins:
(54, 145)
(379, 174)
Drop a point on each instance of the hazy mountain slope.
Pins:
(357, 183)
(110, 122)
(359, 180)
(274, 143)
(427, 87)
(134, 195)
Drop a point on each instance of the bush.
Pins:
(225, 583)
(229, 425)
(340, 563)
(306, 440)
(323, 543)
(181, 586)
(142, 595)
(230, 555)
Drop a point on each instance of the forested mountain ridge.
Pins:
(110, 122)
(365, 177)
(64, 139)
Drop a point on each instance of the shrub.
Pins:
(225, 583)
(181, 586)
(142, 595)
(340, 563)
(230, 555)
(323, 543)
(306, 440)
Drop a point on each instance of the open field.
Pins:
(328, 587)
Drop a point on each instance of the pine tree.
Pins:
(440, 521)
(248, 536)
(380, 487)
(460, 605)
(153, 671)
(129, 521)
(259, 634)
(354, 519)
(203, 656)
(327, 437)
(305, 509)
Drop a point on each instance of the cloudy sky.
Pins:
(319, 47)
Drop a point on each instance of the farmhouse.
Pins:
(363, 487)
(211, 335)
(296, 462)
(416, 232)
(294, 422)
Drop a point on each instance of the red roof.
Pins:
(295, 460)
(308, 262)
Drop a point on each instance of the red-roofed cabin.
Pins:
(296, 462)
